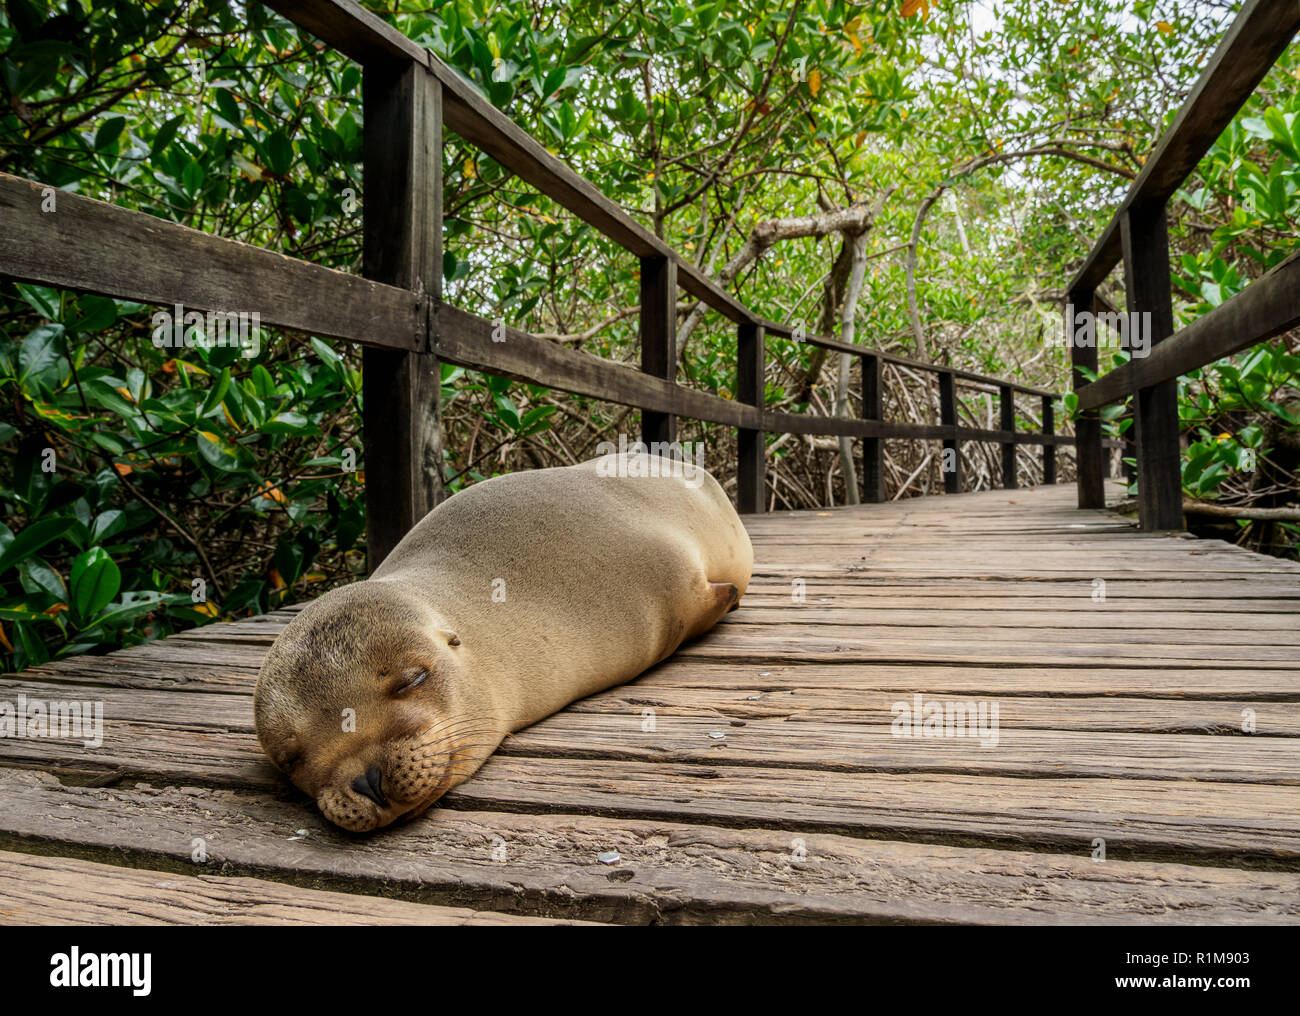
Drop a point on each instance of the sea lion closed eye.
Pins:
(504, 604)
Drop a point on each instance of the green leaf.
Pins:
(39, 576)
(330, 358)
(44, 301)
(109, 131)
(165, 136)
(279, 153)
(107, 524)
(507, 413)
(218, 452)
(31, 649)
(33, 538)
(227, 107)
(95, 581)
(122, 615)
(97, 314)
(41, 350)
(554, 79)
(216, 394)
(285, 423)
(192, 178)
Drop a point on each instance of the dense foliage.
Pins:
(147, 489)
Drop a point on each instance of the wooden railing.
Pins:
(396, 312)
(1138, 235)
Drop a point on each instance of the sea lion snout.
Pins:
(416, 770)
(359, 704)
(371, 784)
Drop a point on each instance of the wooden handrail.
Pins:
(92, 246)
(397, 315)
(96, 247)
(1258, 35)
(1267, 307)
(1137, 233)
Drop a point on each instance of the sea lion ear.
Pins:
(452, 638)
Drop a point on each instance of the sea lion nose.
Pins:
(371, 784)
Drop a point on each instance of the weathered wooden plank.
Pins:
(945, 676)
(65, 891)
(1082, 617)
(669, 872)
(1038, 703)
(197, 749)
(737, 642)
(1241, 824)
(987, 681)
(797, 561)
(865, 705)
(1005, 597)
(875, 748)
(95, 247)
(991, 680)
(1115, 635)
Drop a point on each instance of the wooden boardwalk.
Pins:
(754, 776)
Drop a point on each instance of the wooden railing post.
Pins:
(402, 215)
(951, 447)
(658, 339)
(1049, 449)
(1128, 450)
(1007, 410)
(873, 408)
(1087, 427)
(1145, 238)
(751, 444)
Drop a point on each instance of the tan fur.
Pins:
(603, 576)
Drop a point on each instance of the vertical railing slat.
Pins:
(1007, 410)
(1087, 427)
(402, 215)
(1049, 449)
(1145, 237)
(873, 408)
(951, 446)
(751, 445)
(658, 339)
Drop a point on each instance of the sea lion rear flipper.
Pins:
(720, 598)
(728, 595)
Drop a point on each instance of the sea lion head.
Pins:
(360, 702)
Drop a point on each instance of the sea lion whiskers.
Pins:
(437, 733)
